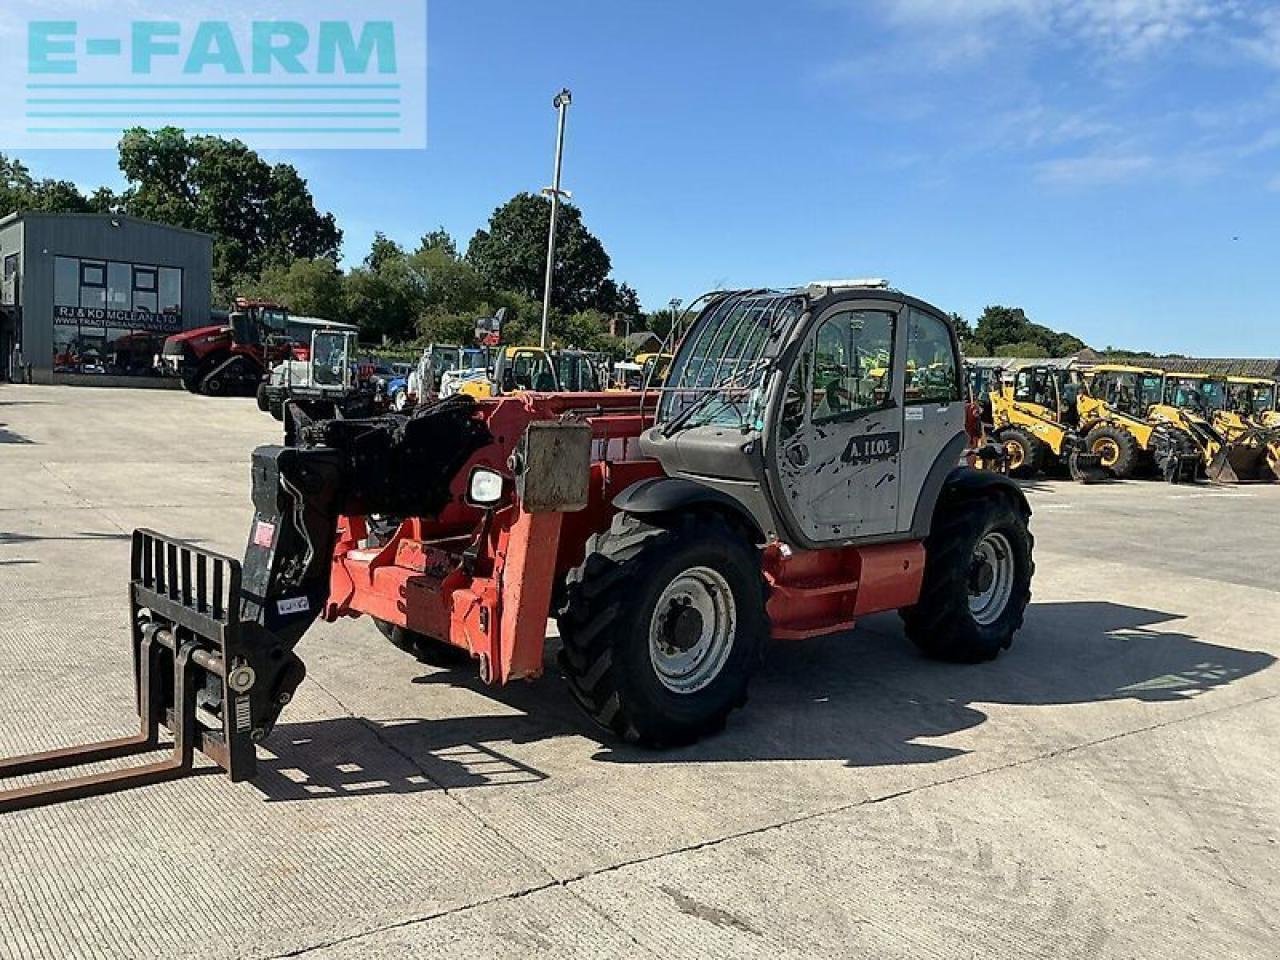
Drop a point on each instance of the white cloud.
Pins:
(1095, 169)
(1127, 29)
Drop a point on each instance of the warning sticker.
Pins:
(296, 605)
(264, 534)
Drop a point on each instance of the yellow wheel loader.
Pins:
(1034, 417)
(1198, 403)
(1115, 417)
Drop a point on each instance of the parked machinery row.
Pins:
(1126, 421)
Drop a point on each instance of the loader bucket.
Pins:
(1087, 468)
(1240, 463)
(186, 639)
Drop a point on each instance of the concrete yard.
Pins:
(1109, 788)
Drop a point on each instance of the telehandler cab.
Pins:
(1034, 418)
(785, 486)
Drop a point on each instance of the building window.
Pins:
(144, 279)
(8, 289)
(93, 274)
(112, 317)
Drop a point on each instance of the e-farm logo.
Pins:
(290, 73)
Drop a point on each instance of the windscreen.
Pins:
(330, 359)
(1264, 398)
(719, 373)
(1194, 393)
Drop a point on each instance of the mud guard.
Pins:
(669, 494)
(970, 481)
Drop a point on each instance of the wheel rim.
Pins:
(692, 629)
(1108, 450)
(991, 578)
(1017, 456)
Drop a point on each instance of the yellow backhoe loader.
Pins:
(1250, 417)
(1115, 409)
(1198, 403)
(1034, 418)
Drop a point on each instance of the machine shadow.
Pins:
(8, 538)
(8, 436)
(864, 698)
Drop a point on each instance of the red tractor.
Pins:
(793, 475)
(219, 360)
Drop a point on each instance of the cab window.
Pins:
(932, 368)
(852, 364)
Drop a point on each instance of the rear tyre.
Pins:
(1027, 456)
(662, 627)
(1117, 447)
(264, 402)
(426, 649)
(977, 580)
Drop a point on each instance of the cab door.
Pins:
(933, 434)
(837, 441)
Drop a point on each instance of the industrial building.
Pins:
(89, 298)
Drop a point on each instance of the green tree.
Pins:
(311, 288)
(439, 239)
(1022, 349)
(261, 215)
(19, 190)
(511, 254)
(999, 325)
(660, 322)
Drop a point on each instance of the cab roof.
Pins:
(1125, 368)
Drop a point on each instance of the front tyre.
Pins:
(977, 580)
(1026, 455)
(1117, 447)
(662, 627)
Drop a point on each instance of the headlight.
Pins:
(485, 487)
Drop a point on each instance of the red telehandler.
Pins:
(794, 474)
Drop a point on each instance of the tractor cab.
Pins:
(794, 405)
(1197, 393)
(259, 322)
(577, 372)
(526, 368)
(1251, 397)
(331, 366)
(1051, 391)
(1131, 391)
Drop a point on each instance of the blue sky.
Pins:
(1112, 166)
